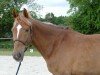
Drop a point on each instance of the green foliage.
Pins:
(61, 20)
(6, 19)
(6, 44)
(6, 48)
(50, 17)
(86, 15)
(8, 52)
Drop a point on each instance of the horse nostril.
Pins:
(19, 55)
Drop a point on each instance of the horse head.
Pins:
(21, 33)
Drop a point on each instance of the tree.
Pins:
(86, 15)
(61, 20)
(6, 19)
(49, 17)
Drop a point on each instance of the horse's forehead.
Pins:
(19, 26)
(21, 22)
(18, 29)
(16, 25)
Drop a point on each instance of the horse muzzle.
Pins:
(18, 56)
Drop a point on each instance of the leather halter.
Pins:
(24, 43)
(19, 41)
(26, 46)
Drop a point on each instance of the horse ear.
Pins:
(15, 14)
(25, 13)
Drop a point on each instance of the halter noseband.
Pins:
(19, 41)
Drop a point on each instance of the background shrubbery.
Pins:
(85, 17)
(6, 44)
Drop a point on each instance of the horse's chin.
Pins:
(18, 56)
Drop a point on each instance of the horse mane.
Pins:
(54, 25)
(44, 23)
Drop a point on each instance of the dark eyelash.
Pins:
(26, 30)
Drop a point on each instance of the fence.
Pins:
(7, 43)
(5, 38)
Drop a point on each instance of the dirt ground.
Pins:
(30, 66)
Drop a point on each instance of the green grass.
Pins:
(6, 44)
(35, 53)
(8, 52)
(6, 49)
(5, 53)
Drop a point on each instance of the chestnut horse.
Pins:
(65, 51)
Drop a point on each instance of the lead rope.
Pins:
(18, 68)
(20, 63)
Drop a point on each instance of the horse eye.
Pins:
(26, 30)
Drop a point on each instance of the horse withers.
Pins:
(65, 51)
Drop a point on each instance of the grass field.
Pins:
(6, 49)
(8, 52)
(6, 44)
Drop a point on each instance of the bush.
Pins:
(6, 44)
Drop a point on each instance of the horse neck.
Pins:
(44, 37)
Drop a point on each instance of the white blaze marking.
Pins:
(18, 29)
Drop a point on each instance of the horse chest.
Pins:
(58, 67)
